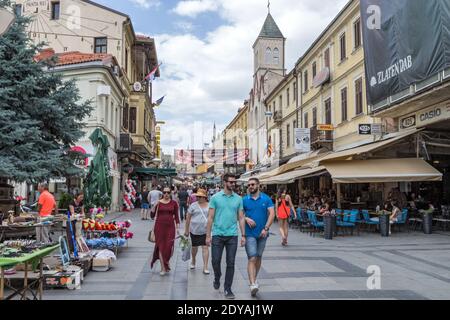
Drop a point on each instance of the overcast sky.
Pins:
(206, 50)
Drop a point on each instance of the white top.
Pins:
(199, 219)
(154, 196)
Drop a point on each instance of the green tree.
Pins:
(41, 116)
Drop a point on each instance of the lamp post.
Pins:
(6, 20)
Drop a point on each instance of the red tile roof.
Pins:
(73, 57)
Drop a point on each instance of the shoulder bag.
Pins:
(151, 234)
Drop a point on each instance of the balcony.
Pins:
(321, 136)
(125, 143)
(277, 117)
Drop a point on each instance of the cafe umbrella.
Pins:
(98, 189)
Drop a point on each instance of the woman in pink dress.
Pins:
(167, 222)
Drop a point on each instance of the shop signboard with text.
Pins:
(426, 117)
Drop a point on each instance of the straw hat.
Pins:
(201, 193)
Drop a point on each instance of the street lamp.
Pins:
(6, 20)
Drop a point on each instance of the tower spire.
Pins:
(268, 6)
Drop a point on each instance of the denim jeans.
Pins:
(183, 210)
(218, 244)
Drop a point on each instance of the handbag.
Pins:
(151, 234)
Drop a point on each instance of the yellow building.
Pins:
(332, 83)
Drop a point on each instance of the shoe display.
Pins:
(229, 294)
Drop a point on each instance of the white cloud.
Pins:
(192, 8)
(207, 79)
(147, 3)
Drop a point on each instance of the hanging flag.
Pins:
(269, 147)
(151, 75)
(160, 101)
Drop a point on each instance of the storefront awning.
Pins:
(346, 154)
(156, 172)
(290, 177)
(378, 171)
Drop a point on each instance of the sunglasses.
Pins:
(252, 184)
(232, 182)
(166, 192)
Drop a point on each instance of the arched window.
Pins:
(276, 56)
(268, 56)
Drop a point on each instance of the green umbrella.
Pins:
(97, 189)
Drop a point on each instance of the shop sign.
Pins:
(377, 129)
(303, 140)
(325, 127)
(365, 129)
(425, 117)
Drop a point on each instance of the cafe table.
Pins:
(32, 259)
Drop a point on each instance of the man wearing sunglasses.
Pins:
(259, 215)
(225, 210)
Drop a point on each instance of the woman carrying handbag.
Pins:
(167, 222)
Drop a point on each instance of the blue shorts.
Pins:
(255, 247)
(145, 206)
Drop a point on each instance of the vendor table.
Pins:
(27, 259)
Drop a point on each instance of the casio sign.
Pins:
(408, 122)
(431, 114)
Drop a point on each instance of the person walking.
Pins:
(196, 222)
(183, 196)
(46, 206)
(285, 207)
(225, 211)
(154, 196)
(145, 206)
(259, 215)
(166, 227)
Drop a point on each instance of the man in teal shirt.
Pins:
(225, 210)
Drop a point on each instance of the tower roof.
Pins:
(270, 29)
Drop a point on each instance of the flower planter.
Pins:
(427, 223)
(384, 225)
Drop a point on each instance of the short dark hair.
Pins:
(228, 176)
(254, 179)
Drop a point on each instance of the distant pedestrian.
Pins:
(154, 196)
(184, 199)
(145, 206)
(196, 223)
(46, 206)
(285, 207)
(166, 227)
(225, 211)
(259, 215)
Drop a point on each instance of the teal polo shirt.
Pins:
(227, 208)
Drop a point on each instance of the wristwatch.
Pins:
(267, 229)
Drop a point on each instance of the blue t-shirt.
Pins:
(257, 211)
(226, 215)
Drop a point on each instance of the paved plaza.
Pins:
(412, 265)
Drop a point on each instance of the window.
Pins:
(305, 76)
(126, 60)
(344, 104)
(343, 47)
(294, 126)
(101, 45)
(305, 120)
(288, 135)
(18, 9)
(314, 117)
(268, 57)
(125, 116)
(314, 70)
(358, 96)
(294, 96)
(281, 102)
(288, 98)
(56, 6)
(326, 58)
(274, 107)
(133, 120)
(276, 56)
(328, 111)
(357, 33)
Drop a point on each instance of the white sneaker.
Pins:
(162, 273)
(206, 271)
(192, 266)
(254, 288)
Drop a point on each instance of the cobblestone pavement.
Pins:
(412, 265)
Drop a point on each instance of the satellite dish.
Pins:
(6, 20)
(137, 86)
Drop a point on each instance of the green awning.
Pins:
(156, 172)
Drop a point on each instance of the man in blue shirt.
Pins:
(259, 215)
(225, 210)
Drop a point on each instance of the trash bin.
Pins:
(329, 229)
(427, 223)
(384, 225)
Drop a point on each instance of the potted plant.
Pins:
(427, 219)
